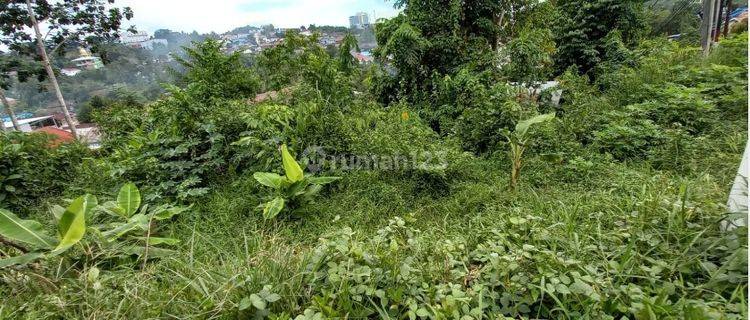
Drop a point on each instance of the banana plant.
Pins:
(29, 236)
(518, 140)
(291, 191)
(134, 229)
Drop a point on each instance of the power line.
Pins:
(675, 13)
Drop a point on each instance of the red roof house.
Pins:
(60, 136)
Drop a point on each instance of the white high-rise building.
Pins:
(359, 20)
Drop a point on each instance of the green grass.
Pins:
(624, 214)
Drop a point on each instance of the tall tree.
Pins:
(582, 27)
(346, 60)
(81, 22)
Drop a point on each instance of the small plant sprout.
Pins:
(291, 191)
(518, 140)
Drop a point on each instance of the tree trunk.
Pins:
(720, 6)
(726, 18)
(9, 111)
(50, 72)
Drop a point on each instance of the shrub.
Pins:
(628, 138)
(184, 142)
(31, 169)
(133, 235)
(519, 140)
(677, 106)
(731, 51)
(222, 75)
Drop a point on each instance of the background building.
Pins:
(359, 20)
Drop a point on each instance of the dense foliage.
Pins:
(30, 169)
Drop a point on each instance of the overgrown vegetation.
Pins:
(617, 213)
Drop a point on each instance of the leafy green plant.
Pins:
(31, 169)
(19, 233)
(134, 231)
(519, 140)
(260, 302)
(291, 191)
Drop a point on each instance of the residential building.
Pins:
(87, 61)
(59, 136)
(70, 72)
(28, 125)
(128, 38)
(359, 21)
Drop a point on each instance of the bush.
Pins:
(32, 170)
(731, 51)
(223, 76)
(177, 144)
(677, 106)
(628, 138)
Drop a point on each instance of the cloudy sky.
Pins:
(223, 15)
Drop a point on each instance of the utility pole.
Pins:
(706, 26)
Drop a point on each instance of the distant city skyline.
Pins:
(225, 15)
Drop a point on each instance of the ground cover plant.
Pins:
(431, 185)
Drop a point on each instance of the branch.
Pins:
(59, 45)
(11, 244)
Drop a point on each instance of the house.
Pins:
(363, 58)
(70, 72)
(59, 136)
(128, 38)
(88, 133)
(87, 61)
(28, 125)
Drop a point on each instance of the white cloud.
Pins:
(224, 15)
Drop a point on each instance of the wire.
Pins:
(675, 13)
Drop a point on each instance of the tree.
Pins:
(221, 75)
(346, 60)
(529, 57)
(81, 21)
(582, 27)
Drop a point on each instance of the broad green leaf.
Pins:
(296, 189)
(562, 288)
(167, 213)
(245, 303)
(269, 179)
(291, 167)
(257, 302)
(137, 221)
(157, 241)
(312, 190)
(72, 224)
(22, 259)
(113, 208)
(323, 180)
(523, 126)
(272, 208)
(26, 231)
(57, 211)
(129, 199)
